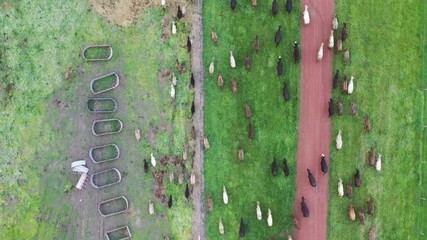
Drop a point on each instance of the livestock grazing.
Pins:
(69, 73)
(241, 154)
(285, 167)
(145, 166)
(234, 85)
(171, 177)
(331, 40)
(367, 123)
(357, 179)
(371, 207)
(210, 203)
(323, 164)
(212, 66)
(278, 36)
(233, 4)
(335, 81)
(251, 131)
(172, 91)
(173, 28)
(340, 107)
(254, 3)
(279, 67)
(224, 195)
(206, 143)
(275, 7)
(248, 112)
(242, 230)
(192, 178)
(269, 218)
(304, 208)
(153, 160)
(320, 53)
(353, 108)
(361, 216)
(179, 13)
(340, 188)
(306, 15)
(339, 140)
(256, 44)
(289, 237)
(372, 156)
(174, 81)
(137, 134)
(345, 84)
(274, 168)
(248, 61)
(378, 163)
(372, 234)
(297, 52)
(232, 60)
(296, 222)
(220, 81)
(193, 108)
(311, 178)
(347, 56)
(188, 44)
(220, 227)
(339, 45)
(170, 201)
(344, 33)
(258, 211)
(351, 213)
(289, 6)
(184, 154)
(335, 22)
(331, 107)
(349, 189)
(286, 95)
(180, 178)
(187, 192)
(150, 207)
(192, 80)
(214, 37)
(163, 3)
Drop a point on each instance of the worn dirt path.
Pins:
(314, 125)
(197, 66)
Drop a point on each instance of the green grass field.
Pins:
(275, 121)
(40, 138)
(387, 63)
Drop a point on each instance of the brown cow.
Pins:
(340, 107)
(353, 108)
(214, 37)
(69, 73)
(254, 3)
(372, 234)
(241, 154)
(351, 213)
(372, 156)
(371, 206)
(344, 33)
(357, 179)
(350, 189)
(361, 216)
(234, 85)
(339, 45)
(248, 61)
(296, 222)
(367, 123)
(248, 112)
(256, 44)
(220, 81)
(251, 131)
(347, 56)
(345, 84)
(210, 203)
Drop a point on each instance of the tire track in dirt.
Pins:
(314, 132)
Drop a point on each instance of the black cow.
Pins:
(304, 208)
(179, 14)
(188, 43)
(242, 230)
(279, 67)
(192, 80)
(344, 33)
(286, 92)
(274, 167)
(331, 107)
(275, 7)
(357, 179)
(289, 6)
(193, 108)
(187, 191)
(278, 36)
(285, 167)
(297, 53)
(233, 4)
(311, 178)
(323, 164)
(335, 82)
(170, 201)
(145, 166)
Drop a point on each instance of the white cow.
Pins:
(153, 160)
(220, 227)
(224, 195)
(269, 218)
(335, 22)
(150, 207)
(339, 140)
(331, 40)
(172, 92)
(173, 28)
(378, 163)
(340, 188)
(320, 53)
(232, 60)
(306, 15)
(258, 211)
(212, 66)
(351, 85)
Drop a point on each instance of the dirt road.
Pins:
(314, 125)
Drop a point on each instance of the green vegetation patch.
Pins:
(275, 121)
(386, 62)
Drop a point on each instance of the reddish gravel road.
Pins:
(314, 125)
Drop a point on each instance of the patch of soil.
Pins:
(165, 77)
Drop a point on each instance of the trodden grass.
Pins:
(275, 121)
(386, 61)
